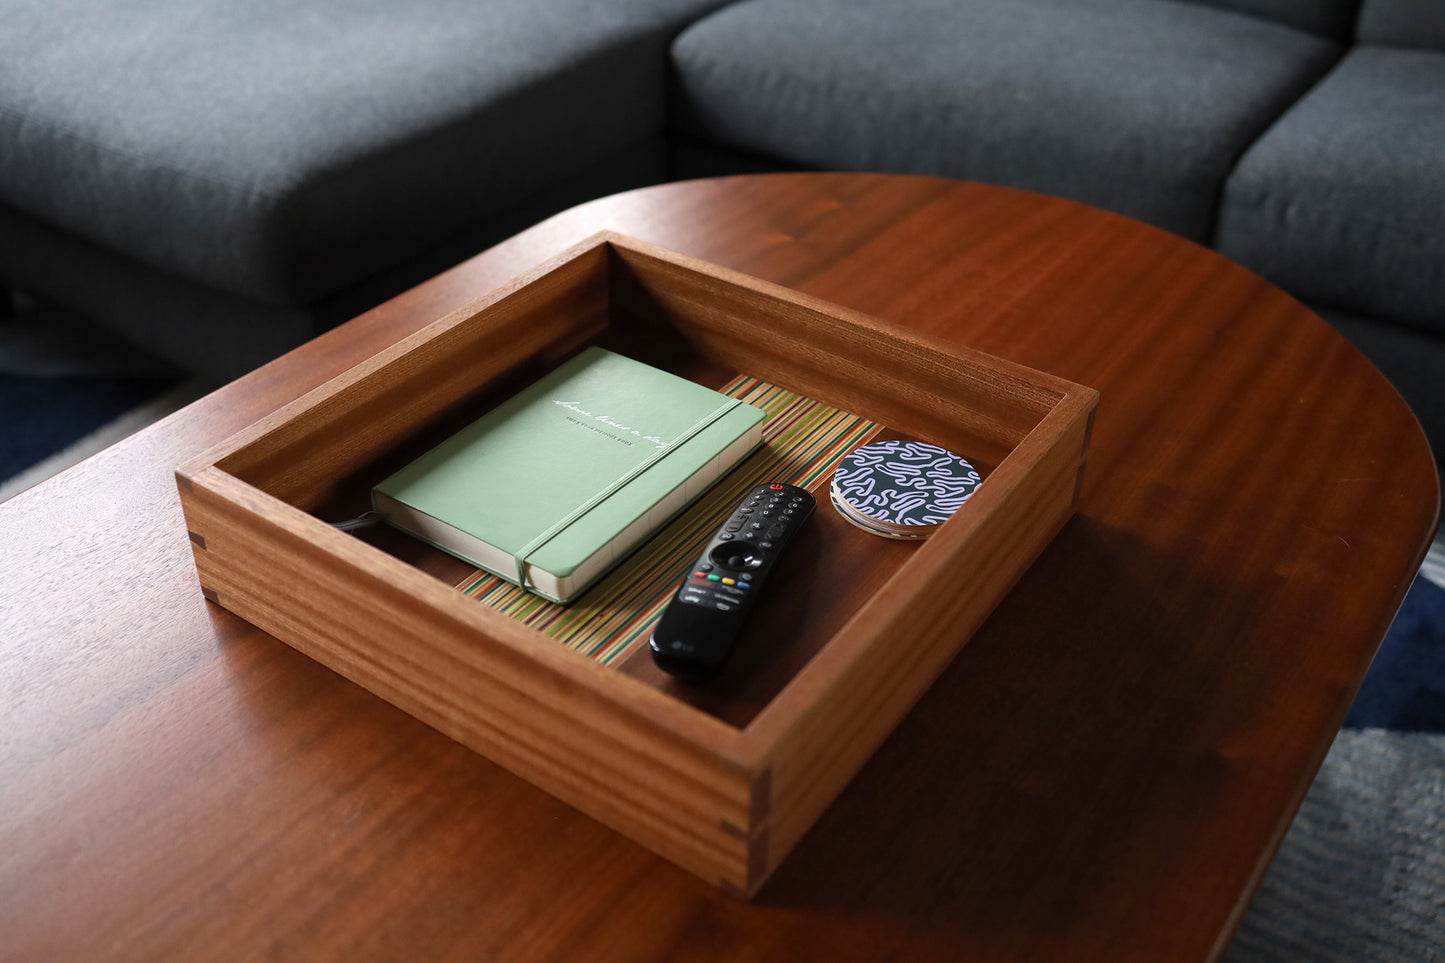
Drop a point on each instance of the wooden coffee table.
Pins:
(1103, 773)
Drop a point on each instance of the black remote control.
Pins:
(701, 623)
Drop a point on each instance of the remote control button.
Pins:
(738, 555)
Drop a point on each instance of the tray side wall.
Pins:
(299, 453)
(963, 399)
(652, 775)
(825, 727)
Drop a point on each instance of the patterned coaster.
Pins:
(873, 528)
(902, 489)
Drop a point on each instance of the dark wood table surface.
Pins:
(1103, 773)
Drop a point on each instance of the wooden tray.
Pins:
(723, 781)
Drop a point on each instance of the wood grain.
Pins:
(1102, 773)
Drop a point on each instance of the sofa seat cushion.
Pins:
(282, 150)
(1330, 18)
(1139, 106)
(1343, 201)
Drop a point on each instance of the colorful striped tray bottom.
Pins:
(802, 442)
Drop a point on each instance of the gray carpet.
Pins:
(1360, 878)
(1361, 875)
(71, 369)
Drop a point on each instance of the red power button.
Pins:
(776, 488)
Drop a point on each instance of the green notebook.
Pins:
(560, 482)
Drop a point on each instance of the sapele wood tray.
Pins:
(722, 781)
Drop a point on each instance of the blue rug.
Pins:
(45, 414)
(1405, 689)
(69, 387)
(1361, 875)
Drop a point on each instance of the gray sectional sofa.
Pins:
(220, 181)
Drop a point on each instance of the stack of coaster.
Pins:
(902, 489)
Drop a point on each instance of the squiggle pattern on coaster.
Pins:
(905, 482)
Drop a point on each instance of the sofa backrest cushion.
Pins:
(285, 150)
(1341, 201)
(1328, 18)
(1138, 106)
(1404, 23)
